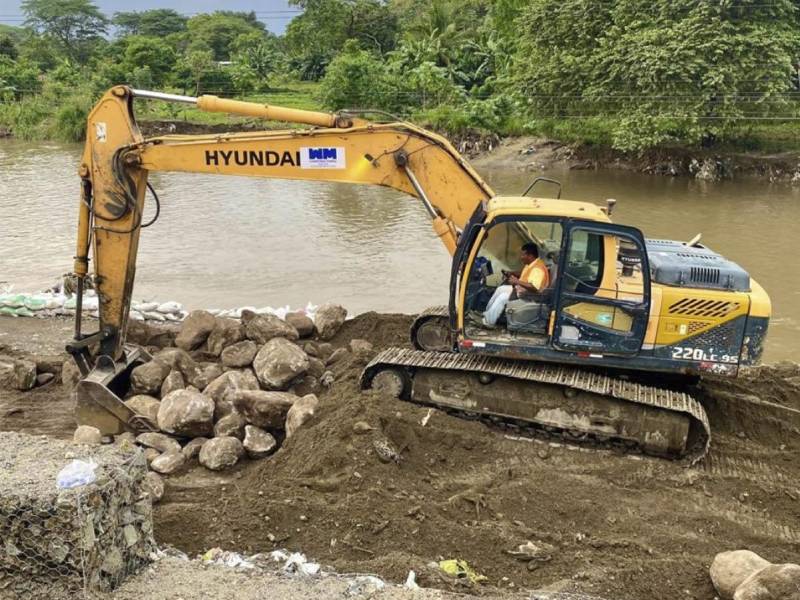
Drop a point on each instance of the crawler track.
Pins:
(621, 394)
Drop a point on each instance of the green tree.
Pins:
(158, 22)
(151, 53)
(355, 79)
(218, 31)
(671, 70)
(196, 66)
(75, 24)
(316, 36)
(17, 79)
(8, 47)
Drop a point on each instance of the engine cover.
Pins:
(675, 263)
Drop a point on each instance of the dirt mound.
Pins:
(611, 525)
(614, 526)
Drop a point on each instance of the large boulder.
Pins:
(225, 333)
(240, 354)
(302, 323)
(773, 582)
(192, 449)
(221, 453)
(70, 374)
(300, 412)
(362, 349)
(316, 367)
(173, 381)
(186, 413)
(203, 374)
(263, 328)
(729, 569)
(307, 384)
(231, 425)
(147, 378)
(17, 373)
(158, 441)
(144, 405)
(264, 409)
(176, 358)
(257, 442)
(278, 362)
(329, 320)
(196, 328)
(168, 463)
(87, 435)
(224, 387)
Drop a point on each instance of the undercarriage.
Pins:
(536, 397)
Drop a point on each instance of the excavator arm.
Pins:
(337, 147)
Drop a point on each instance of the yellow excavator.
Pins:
(601, 354)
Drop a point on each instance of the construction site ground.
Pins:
(620, 527)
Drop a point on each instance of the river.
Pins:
(224, 242)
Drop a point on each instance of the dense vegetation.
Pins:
(623, 73)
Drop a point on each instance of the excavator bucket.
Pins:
(99, 396)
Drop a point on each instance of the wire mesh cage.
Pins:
(77, 542)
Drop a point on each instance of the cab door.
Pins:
(603, 290)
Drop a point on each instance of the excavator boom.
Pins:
(117, 159)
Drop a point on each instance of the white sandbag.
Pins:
(144, 307)
(90, 304)
(154, 316)
(135, 315)
(35, 303)
(13, 300)
(169, 307)
(172, 317)
(55, 301)
(94, 314)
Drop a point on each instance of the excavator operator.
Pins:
(533, 278)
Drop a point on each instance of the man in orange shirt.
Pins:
(533, 278)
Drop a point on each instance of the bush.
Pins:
(356, 78)
(17, 78)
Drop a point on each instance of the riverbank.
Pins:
(536, 154)
(606, 522)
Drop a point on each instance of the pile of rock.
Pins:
(744, 575)
(226, 388)
(84, 538)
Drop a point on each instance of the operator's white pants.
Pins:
(497, 304)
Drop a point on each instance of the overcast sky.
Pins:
(271, 12)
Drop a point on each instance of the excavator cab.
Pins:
(598, 297)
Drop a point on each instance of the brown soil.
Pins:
(626, 527)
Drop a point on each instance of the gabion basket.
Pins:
(79, 542)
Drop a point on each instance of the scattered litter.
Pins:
(76, 474)
(426, 418)
(365, 585)
(530, 551)
(411, 581)
(225, 558)
(296, 562)
(460, 569)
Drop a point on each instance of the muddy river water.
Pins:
(224, 242)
